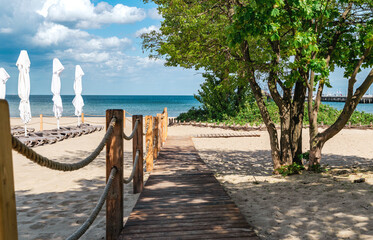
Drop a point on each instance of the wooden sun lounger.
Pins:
(52, 136)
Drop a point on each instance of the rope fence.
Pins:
(155, 135)
(45, 162)
(78, 233)
(133, 132)
(129, 179)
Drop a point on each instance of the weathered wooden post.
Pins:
(149, 142)
(83, 117)
(8, 215)
(163, 129)
(155, 137)
(41, 122)
(165, 124)
(160, 133)
(114, 158)
(124, 120)
(137, 143)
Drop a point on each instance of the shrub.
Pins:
(292, 169)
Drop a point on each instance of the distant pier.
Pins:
(327, 98)
(364, 99)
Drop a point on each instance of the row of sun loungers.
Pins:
(18, 130)
(55, 135)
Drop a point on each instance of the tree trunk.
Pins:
(286, 139)
(297, 120)
(315, 151)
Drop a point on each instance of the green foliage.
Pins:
(222, 95)
(292, 169)
(287, 45)
(317, 168)
(305, 155)
(194, 114)
(250, 113)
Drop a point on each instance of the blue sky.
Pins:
(101, 36)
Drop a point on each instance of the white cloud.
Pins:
(84, 14)
(153, 14)
(52, 34)
(6, 30)
(146, 30)
(146, 62)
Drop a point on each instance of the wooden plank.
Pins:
(114, 158)
(183, 200)
(137, 143)
(8, 215)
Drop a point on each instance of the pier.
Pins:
(364, 99)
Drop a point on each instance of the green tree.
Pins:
(220, 97)
(288, 45)
(309, 39)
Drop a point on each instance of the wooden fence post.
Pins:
(149, 142)
(165, 124)
(124, 120)
(114, 158)
(8, 214)
(159, 139)
(155, 138)
(41, 122)
(82, 117)
(138, 178)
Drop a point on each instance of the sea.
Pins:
(137, 104)
(98, 104)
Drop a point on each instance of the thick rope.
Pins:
(45, 162)
(129, 179)
(133, 131)
(78, 233)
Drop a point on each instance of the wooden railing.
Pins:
(155, 136)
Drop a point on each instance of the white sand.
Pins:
(308, 206)
(52, 204)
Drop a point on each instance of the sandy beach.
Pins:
(307, 206)
(51, 204)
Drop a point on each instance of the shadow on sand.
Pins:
(307, 206)
(56, 215)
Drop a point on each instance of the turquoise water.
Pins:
(366, 107)
(97, 105)
(142, 105)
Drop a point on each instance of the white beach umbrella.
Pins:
(4, 76)
(23, 64)
(56, 89)
(78, 100)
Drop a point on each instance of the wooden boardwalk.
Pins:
(183, 200)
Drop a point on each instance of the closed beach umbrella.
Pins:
(23, 64)
(4, 76)
(78, 100)
(56, 89)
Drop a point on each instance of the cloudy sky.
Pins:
(101, 36)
